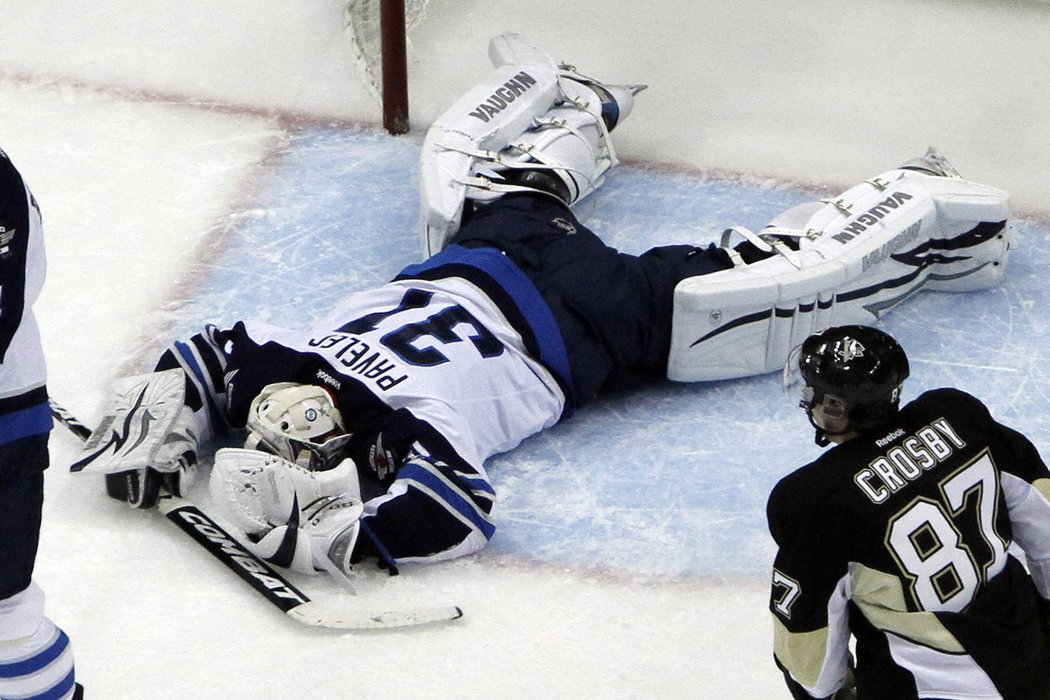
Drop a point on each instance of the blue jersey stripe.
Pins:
(530, 305)
(60, 689)
(37, 662)
(189, 360)
(453, 498)
(478, 483)
(35, 420)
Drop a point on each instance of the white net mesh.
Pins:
(363, 29)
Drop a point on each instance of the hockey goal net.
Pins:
(377, 30)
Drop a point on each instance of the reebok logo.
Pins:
(329, 380)
(883, 441)
(503, 96)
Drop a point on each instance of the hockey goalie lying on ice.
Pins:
(367, 434)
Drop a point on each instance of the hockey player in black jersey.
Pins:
(906, 535)
(368, 432)
(36, 657)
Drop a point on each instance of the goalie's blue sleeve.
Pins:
(435, 504)
(203, 360)
(431, 512)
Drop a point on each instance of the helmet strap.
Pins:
(823, 436)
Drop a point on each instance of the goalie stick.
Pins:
(260, 575)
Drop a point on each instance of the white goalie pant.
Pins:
(860, 254)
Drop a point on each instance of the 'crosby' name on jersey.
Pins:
(907, 460)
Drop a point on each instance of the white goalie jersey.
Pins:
(433, 373)
(418, 339)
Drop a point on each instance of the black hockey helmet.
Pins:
(856, 371)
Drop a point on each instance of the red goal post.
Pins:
(378, 31)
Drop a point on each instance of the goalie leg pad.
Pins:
(480, 123)
(975, 238)
(570, 141)
(859, 255)
(532, 116)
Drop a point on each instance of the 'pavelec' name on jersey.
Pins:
(906, 461)
(355, 356)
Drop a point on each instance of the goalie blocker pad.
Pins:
(140, 417)
(860, 254)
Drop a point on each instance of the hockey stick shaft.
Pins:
(258, 574)
(69, 420)
(221, 545)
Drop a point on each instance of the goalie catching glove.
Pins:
(299, 519)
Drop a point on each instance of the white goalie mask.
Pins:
(299, 422)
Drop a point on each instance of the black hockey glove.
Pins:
(143, 488)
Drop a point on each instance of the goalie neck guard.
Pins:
(299, 422)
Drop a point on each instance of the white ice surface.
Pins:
(167, 140)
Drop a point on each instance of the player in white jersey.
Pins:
(381, 416)
(36, 658)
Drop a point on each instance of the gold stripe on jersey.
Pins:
(1043, 487)
(803, 653)
(880, 597)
